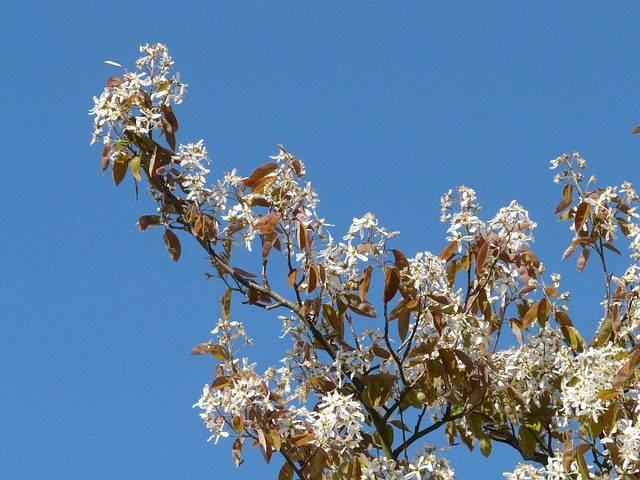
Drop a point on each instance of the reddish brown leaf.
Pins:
(291, 278)
(145, 220)
(236, 451)
(564, 203)
(364, 282)
(172, 121)
(636, 130)
(391, 284)
(267, 223)
(569, 251)
(267, 243)
(627, 369)
(156, 162)
(286, 472)
(400, 259)
(200, 349)
(115, 81)
(119, 169)
(361, 308)
(302, 236)
(173, 244)
(481, 259)
(312, 281)
(404, 318)
(106, 157)
(258, 173)
(449, 251)
(583, 258)
(582, 215)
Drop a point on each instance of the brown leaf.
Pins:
(267, 223)
(171, 119)
(564, 203)
(361, 308)
(391, 284)
(569, 251)
(449, 251)
(200, 349)
(481, 259)
(582, 215)
(636, 130)
(627, 369)
(115, 81)
(291, 278)
(168, 134)
(156, 161)
(173, 244)
(267, 244)
(583, 258)
(258, 173)
(312, 281)
(286, 472)
(364, 282)
(302, 236)
(236, 451)
(400, 259)
(106, 157)
(119, 169)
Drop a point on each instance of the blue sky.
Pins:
(390, 104)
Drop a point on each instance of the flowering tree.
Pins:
(348, 402)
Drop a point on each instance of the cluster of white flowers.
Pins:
(464, 224)
(341, 261)
(134, 101)
(587, 374)
(514, 226)
(626, 436)
(534, 369)
(425, 464)
(192, 158)
(554, 470)
(337, 418)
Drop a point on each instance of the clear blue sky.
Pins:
(390, 104)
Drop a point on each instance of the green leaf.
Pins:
(527, 442)
(135, 167)
(226, 303)
(485, 446)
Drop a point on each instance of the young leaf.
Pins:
(582, 215)
(481, 259)
(172, 121)
(628, 369)
(449, 251)
(135, 167)
(119, 169)
(148, 221)
(236, 451)
(106, 157)
(286, 472)
(364, 282)
(226, 303)
(267, 223)
(173, 244)
(391, 284)
(583, 258)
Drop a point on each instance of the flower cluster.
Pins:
(134, 102)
